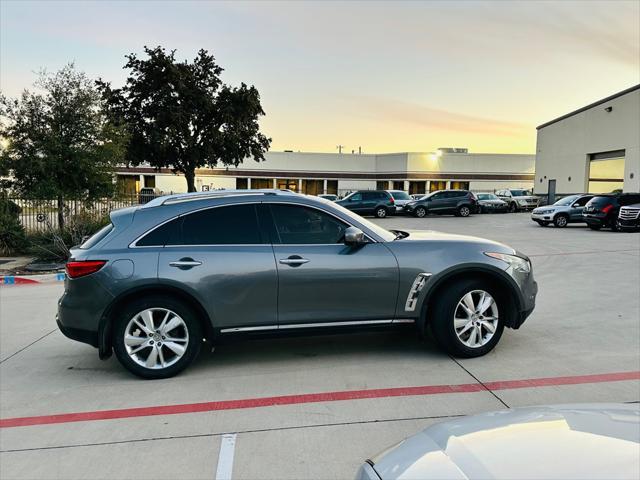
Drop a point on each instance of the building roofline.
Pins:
(594, 104)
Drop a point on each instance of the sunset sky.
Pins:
(387, 76)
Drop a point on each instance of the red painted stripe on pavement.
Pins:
(312, 398)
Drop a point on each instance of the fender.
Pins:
(439, 279)
(104, 327)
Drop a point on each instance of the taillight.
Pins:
(607, 208)
(83, 268)
(393, 200)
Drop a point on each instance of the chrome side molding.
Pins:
(315, 325)
(414, 292)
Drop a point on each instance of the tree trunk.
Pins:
(190, 175)
(60, 213)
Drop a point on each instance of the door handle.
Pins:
(293, 260)
(185, 263)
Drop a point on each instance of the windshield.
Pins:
(378, 230)
(400, 195)
(567, 200)
(520, 193)
(486, 196)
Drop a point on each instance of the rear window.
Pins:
(601, 201)
(96, 237)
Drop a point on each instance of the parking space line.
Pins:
(315, 398)
(225, 457)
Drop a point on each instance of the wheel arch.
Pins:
(105, 347)
(493, 275)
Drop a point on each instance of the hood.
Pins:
(564, 441)
(431, 236)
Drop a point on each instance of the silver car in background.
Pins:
(565, 211)
(401, 198)
(596, 441)
(163, 276)
(518, 199)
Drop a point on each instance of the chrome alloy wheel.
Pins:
(464, 211)
(156, 338)
(476, 318)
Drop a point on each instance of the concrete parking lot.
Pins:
(251, 409)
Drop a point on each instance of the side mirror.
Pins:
(354, 236)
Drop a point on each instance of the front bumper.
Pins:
(491, 208)
(628, 225)
(542, 217)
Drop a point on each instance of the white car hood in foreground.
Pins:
(554, 442)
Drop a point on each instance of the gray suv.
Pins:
(164, 276)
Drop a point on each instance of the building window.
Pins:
(416, 188)
(460, 185)
(606, 171)
(332, 187)
(241, 183)
(313, 187)
(382, 185)
(261, 183)
(128, 184)
(398, 185)
(287, 184)
(150, 181)
(436, 185)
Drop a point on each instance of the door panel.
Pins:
(237, 284)
(337, 283)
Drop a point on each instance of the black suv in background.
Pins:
(379, 203)
(460, 203)
(602, 210)
(629, 217)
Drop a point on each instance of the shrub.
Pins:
(12, 236)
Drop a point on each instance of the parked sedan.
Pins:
(490, 203)
(163, 276)
(565, 211)
(460, 203)
(597, 441)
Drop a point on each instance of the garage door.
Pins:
(606, 171)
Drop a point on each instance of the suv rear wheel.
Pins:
(463, 211)
(380, 212)
(467, 318)
(156, 337)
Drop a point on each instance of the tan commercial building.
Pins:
(594, 149)
(316, 173)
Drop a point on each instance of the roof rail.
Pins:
(195, 196)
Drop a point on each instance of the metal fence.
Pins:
(39, 215)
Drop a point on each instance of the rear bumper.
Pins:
(85, 336)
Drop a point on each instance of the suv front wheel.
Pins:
(466, 320)
(156, 337)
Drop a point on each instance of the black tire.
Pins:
(513, 208)
(443, 312)
(190, 320)
(420, 212)
(542, 223)
(463, 211)
(380, 212)
(561, 220)
(595, 227)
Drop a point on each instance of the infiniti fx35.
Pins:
(163, 277)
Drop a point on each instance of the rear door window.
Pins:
(304, 225)
(230, 225)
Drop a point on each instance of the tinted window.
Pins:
(601, 201)
(96, 237)
(458, 193)
(303, 225)
(232, 225)
(356, 197)
(629, 199)
(520, 193)
(583, 201)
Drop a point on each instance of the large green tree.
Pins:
(181, 116)
(58, 141)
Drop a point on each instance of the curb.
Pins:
(31, 279)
